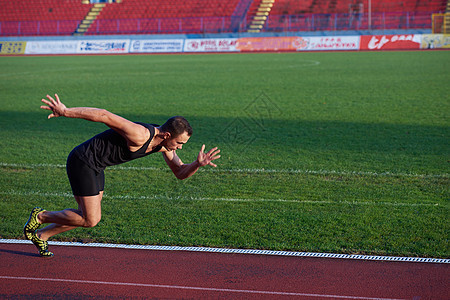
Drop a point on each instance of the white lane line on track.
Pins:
(242, 251)
(191, 198)
(189, 288)
(252, 171)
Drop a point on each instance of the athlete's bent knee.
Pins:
(89, 223)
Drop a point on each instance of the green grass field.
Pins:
(344, 152)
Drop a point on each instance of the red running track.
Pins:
(85, 272)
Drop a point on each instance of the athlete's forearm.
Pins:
(187, 170)
(86, 113)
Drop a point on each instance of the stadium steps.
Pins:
(259, 15)
(447, 19)
(89, 19)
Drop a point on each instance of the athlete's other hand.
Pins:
(56, 106)
(207, 158)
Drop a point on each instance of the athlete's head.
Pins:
(176, 126)
(176, 132)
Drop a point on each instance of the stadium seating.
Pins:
(41, 17)
(42, 10)
(62, 17)
(310, 15)
(161, 16)
(295, 7)
(144, 9)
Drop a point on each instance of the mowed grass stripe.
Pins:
(164, 197)
(248, 170)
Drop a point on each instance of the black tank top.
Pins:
(109, 148)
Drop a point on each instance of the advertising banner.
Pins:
(298, 43)
(265, 44)
(327, 43)
(435, 41)
(51, 47)
(12, 47)
(103, 46)
(156, 46)
(210, 45)
(390, 42)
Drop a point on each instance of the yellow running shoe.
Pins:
(41, 245)
(33, 224)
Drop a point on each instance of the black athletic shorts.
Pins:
(84, 180)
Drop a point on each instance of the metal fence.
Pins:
(274, 23)
(339, 22)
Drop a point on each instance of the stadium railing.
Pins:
(343, 22)
(199, 25)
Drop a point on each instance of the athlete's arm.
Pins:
(135, 134)
(183, 171)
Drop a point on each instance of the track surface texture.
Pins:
(87, 272)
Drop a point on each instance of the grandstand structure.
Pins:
(113, 17)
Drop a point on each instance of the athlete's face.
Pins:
(176, 143)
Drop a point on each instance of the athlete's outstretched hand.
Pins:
(207, 158)
(55, 105)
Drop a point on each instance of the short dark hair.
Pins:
(176, 126)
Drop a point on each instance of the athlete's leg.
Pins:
(88, 214)
(84, 181)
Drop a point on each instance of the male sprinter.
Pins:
(125, 141)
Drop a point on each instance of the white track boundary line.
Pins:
(162, 197)
(189, 288)
(252, 171)
(242, 251)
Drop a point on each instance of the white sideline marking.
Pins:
(253, 171)
(189, 288)
(163, 197)
(241, 251)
